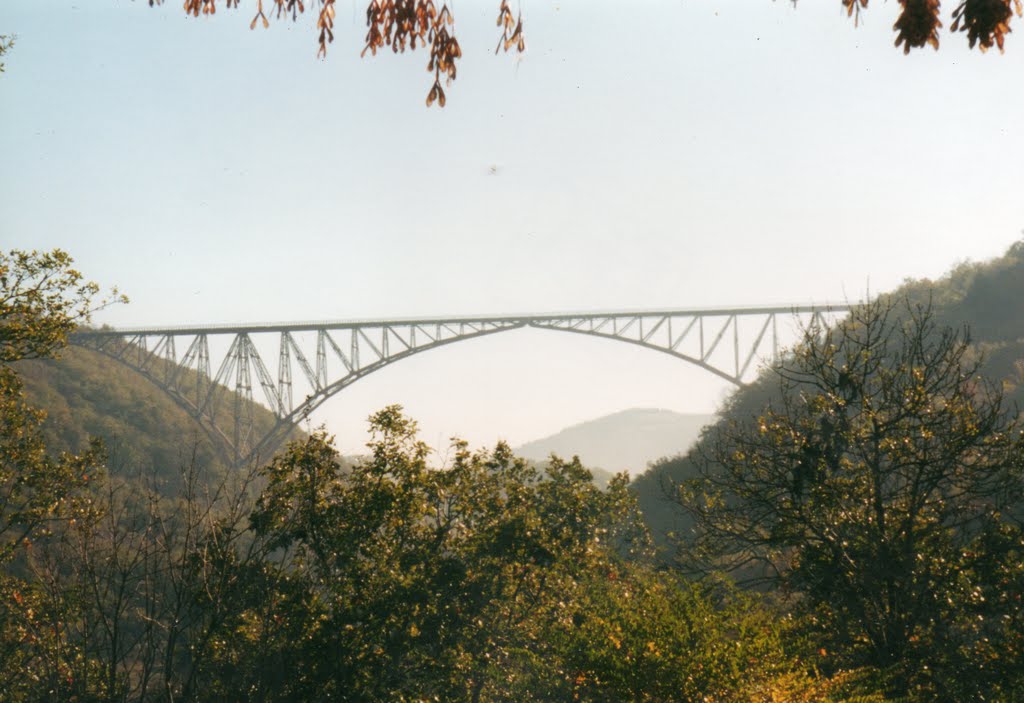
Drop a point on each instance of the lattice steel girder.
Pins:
(373, 344)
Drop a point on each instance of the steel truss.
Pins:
(327, 357)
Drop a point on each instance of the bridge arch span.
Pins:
(726, 342)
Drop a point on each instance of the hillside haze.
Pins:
(87, 394)
(624, 441)
(981, 298)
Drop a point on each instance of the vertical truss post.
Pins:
(171, 356)
(321, 359)
(736, 343)
(775, 340)
(754, 347)
(202, 368)
(284, 376)
(227, 366)
(142, 351)
(186, 363)
(243, 400)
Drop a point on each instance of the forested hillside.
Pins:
(873, 480)
(874, 504)
(86, 394)
(984, 298)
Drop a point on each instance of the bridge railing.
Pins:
(318, 359)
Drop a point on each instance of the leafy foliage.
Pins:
(42, 298)
(485, 580)
(434, 580)
(885, 467)
(35, 489)
(638, 634)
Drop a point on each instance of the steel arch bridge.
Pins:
(323, 358)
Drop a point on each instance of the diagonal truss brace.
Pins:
(344, 352)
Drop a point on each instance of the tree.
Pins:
(884, 472)
(636, 634)
(41, 299)
(490, 580)
(436, 583)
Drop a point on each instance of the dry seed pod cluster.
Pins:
(444, 50)
(412, 23)
(987, 22)
(325, 23)
(511, 31)
(397, 23)
(401, 23)
(394, 23)
(918, 24)
(259, 17)
(289, 7)
(853, 8)
(194, 7)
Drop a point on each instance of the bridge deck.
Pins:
(317, 359)
(313, 325)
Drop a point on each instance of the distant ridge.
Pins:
(624, 441)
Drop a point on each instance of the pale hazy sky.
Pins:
(642, 154)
